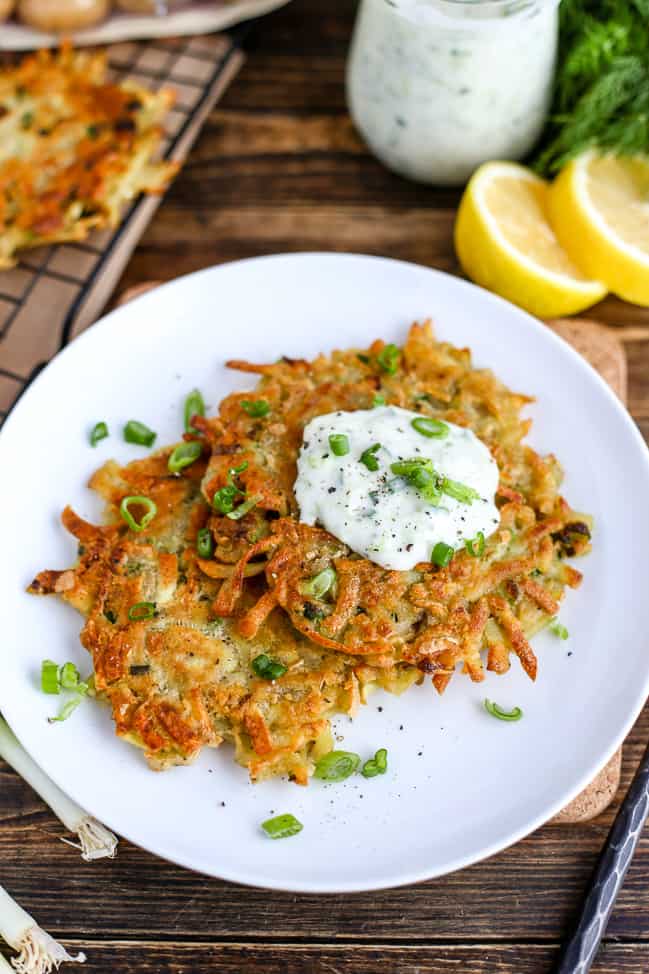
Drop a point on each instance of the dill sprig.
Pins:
(601, 93)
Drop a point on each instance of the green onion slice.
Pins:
(379, 399)
(339, 444)
(194, 406)
(136, 432)
(69, 677)
(204, 543)
(266, 668)
(442, 554)
(376, 765)
(430, 427)
(97, 433)
(368, 458)
(66, 710)
(183, 455)
(282, 826)
(388, 358)
(496, 711)
(319, 585)
(223, 500)
(243, 509)
(461, 492)
(256, 408)
(421, 474)
(141, 610)
(475, 546)
(558, 629)
(337, 765)
(50, 681)
(150, 511)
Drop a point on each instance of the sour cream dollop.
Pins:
(382, 515)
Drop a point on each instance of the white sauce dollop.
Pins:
(381, 515)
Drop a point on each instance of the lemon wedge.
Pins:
(599, 208)
(504, 242)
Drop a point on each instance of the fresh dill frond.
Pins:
(601, 92)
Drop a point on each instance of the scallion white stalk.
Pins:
(95, 840)
(38, 953)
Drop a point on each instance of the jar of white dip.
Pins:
(437, 87)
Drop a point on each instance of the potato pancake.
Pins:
(174, 635)
(73, 148)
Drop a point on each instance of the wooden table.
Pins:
(279, 168)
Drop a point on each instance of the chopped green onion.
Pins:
(194, 406)
(204, 543)
(368, 459)
(376, 765)
(282, 826)
(26, 120)
(183, 455)
(136, 432)
(496, 711)
(388, 358)
(146, 502)
(320, 584)
(462, 493)
(266, 668)
(110, 615)
(234, 471)
(69, 677)
(421, 474)
(475, 546)
(558, 629)
(66, 710)
(92, 131)
(337, 765)
(379, 399)
(365, 359)
(223, 500)
(50, 681)
(141, 611)
(97, 433)
(430, 427)
(256, 408)
(243, 509)
(442, 554)
(339, 444)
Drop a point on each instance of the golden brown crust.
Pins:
(73, 148)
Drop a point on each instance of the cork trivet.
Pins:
(604, 352)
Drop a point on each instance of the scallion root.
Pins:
(95, 840)
(39, 953)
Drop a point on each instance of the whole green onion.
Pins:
(337, 765)
(339, 444)
(184, 455)
(282, 826)
(194, 406)
(97, 433)
(136, 432)
(146, 502)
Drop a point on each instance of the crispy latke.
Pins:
(73, 148)
(183, 678)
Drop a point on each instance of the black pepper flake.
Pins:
(331, 490)
(380, 709)
(400, 726)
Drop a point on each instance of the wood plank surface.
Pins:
(279, 168)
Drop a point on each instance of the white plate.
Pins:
(460, 785)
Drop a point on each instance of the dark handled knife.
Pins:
(579, 951)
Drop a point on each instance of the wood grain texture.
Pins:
(278, 167)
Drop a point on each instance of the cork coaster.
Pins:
(605, 353)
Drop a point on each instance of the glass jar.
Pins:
(437, 87)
